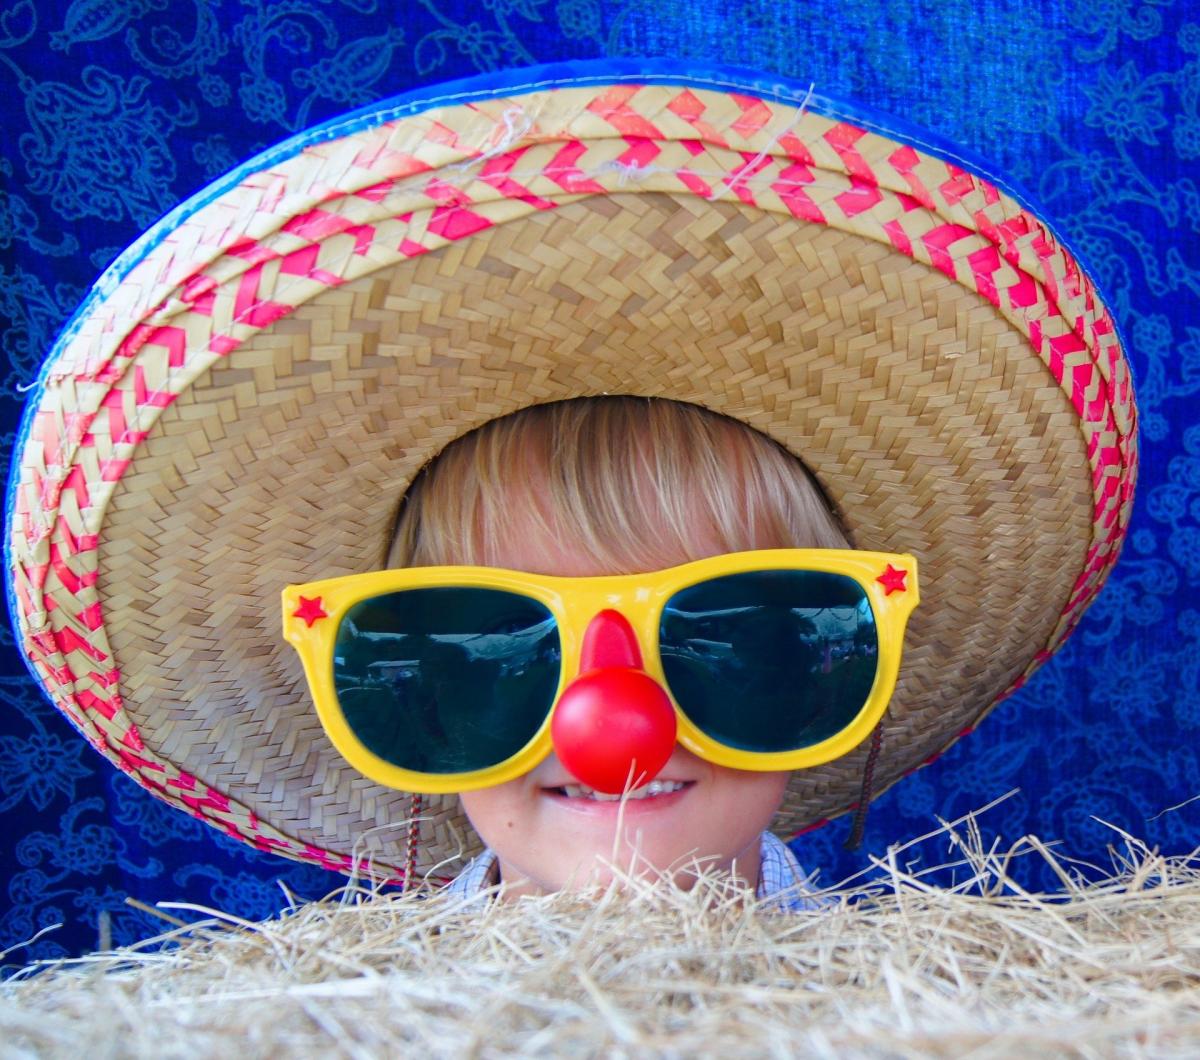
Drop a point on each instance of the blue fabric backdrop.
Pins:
(115, 110)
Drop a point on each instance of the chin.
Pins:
(637, 857)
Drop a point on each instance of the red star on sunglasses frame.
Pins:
(310, 610)
(892, 580)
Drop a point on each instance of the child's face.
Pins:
(546, 840)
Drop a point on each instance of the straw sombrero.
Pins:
(246, 393)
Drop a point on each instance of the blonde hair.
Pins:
(639, 483)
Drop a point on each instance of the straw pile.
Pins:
(891, 968)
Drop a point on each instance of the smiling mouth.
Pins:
(647, 791)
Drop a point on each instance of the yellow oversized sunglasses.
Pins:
(446, 679)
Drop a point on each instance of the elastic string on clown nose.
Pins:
(859, 824)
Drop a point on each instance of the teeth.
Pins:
(655, 787)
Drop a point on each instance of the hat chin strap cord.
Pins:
(857, 827)
(414, 839)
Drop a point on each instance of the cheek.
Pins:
(493, 811)
(750, 798)
(772, 787)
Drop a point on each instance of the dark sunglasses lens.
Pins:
(770, 660)
(446, 679)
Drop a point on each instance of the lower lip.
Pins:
(611, 807)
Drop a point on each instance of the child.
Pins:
(237, 405)
(615, 486)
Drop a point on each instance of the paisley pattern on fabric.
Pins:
(116, 110)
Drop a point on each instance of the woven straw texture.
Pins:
(246, 409)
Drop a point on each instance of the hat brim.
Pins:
(245, 406)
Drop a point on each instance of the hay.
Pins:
(893, 967)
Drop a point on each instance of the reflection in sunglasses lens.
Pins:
(446, 679)
(770, 660)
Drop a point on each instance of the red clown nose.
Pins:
(614, 725)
